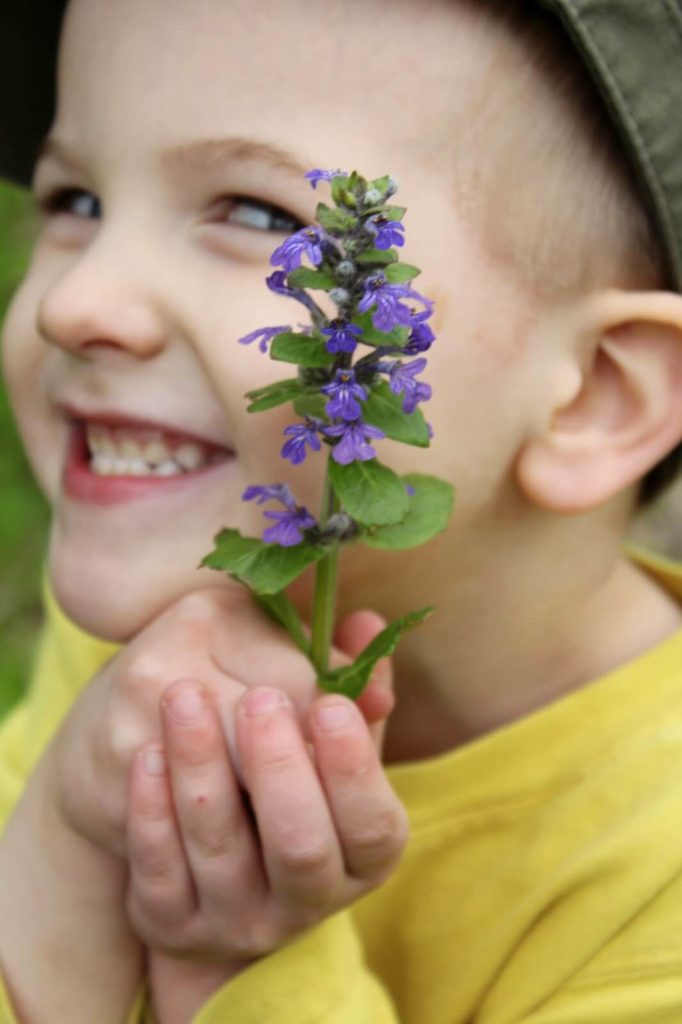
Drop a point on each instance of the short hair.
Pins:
(536, 127)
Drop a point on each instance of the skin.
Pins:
(545, 416)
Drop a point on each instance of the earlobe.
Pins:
(626, 416)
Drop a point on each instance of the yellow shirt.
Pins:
(542, 883)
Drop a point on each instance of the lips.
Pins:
(83, 484)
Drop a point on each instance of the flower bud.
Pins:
(339, 295)
(345, 270)
(373, 196)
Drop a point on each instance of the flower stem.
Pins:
(325, 588)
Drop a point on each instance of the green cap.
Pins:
(631, 48)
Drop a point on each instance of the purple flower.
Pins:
(390, 312)
(289, 527)
(421, 337)
(300, 435)
(402, 382)
(354, 444)
(277, 283)
(342, 335)
(274, 492)
(386, 232)
(344, 392)
(306, 242)
(266, 334)
(317, 175)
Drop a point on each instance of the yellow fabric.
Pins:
(542, 883)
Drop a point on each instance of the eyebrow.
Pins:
(191, 158)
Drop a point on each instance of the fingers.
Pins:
(160, 893)
(218, 837)
(300, 846)
(329, 829)
(370, 821)
(377, 700)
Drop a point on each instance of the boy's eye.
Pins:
(241, 210)
(62, 201)
(255, 213)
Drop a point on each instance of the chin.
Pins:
(103, 603)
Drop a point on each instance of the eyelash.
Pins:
(283, 222)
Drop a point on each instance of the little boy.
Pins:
(536, 738)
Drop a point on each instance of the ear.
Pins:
(626, 414)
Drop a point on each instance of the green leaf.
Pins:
(339, 184)
(430, 509)
(304, 277)
(342, 189)
(280, 608)
(265, 568)
(352, 679)
(370, 492)
(313, 404)
(398, 336)
(273, 394)
(389, 212)
(394, 212)
(337, 222)
(398, 273)
(383, 409)
(380, 257)
(304, 349)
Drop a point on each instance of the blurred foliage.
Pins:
(23, 512)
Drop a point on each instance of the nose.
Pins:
(103, 303)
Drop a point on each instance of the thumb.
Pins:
(377, 699)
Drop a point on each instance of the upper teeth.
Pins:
(115, 451)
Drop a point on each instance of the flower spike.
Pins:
(346, 401)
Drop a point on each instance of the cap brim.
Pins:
(29, 33)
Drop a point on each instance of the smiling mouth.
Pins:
(136, 451)
(107, 464)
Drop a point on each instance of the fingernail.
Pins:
(154, 761)
(186, 705)
(260, 702)
(330, 717)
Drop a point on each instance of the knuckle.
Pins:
(155, 920)
(154, 866)
(254, 939)
(277, 758)
(197, 750)
(384, 839)
(198, 607)
(305, 857)
(211, 842)
(194, 605)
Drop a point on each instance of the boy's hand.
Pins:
(216, 636)
(213, 877)
(217, 882)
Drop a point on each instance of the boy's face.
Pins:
(143, 281)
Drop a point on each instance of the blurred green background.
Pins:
(23, 513)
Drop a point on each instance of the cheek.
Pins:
(23, 361)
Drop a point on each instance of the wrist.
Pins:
(179, 988)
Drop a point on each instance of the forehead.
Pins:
(137, 75)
